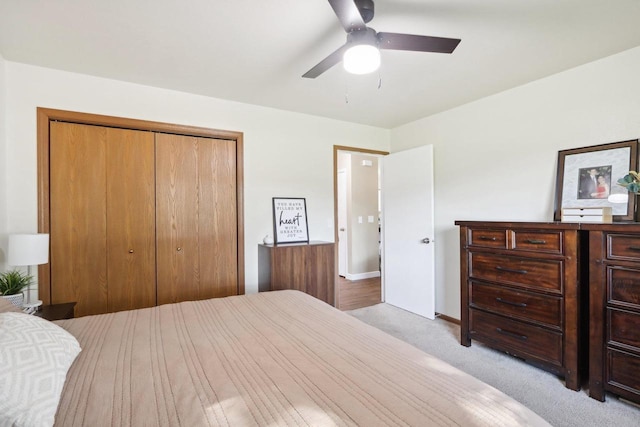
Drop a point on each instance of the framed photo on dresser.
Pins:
(587, 178)
(290, 220)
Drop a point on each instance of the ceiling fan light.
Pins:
(361, 59)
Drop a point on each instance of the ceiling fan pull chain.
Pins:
(379, 80)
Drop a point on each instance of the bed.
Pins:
(278, 358)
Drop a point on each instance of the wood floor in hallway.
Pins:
(358, 293)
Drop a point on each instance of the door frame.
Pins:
(342, 213)
(336, 150)
(47, 115)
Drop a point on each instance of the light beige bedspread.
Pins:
(269, 359)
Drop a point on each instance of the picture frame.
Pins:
(587, 176)
(290, 220)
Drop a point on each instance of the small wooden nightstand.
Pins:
(56, 311)
(307, 267)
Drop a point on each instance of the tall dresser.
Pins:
(521, 293)
(614, 315)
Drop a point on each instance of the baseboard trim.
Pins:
(629, 402)
(360, 276)
(448, 319)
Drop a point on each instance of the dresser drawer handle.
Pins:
(517, 304)
(510, 270)
(536, 242)
(493, 239)
(512, 334)
(634, 248)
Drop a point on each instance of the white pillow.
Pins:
(35, 356)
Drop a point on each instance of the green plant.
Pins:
(631, 182)
(13, 282)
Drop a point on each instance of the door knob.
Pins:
(426, 240)
(342, 229)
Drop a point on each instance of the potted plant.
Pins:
(631, 182)
(12, 283)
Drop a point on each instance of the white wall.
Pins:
(285, 154)
(495, 159)
(4, 162)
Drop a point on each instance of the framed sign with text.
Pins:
(290, 220)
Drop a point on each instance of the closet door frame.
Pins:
(47, 115)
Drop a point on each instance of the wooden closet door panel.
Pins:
(217, 218)
(78, 216)
(177, 200)
(131, 241)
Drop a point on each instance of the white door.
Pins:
(342, 223)
(408, 231)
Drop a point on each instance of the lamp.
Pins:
(28, 249)
(618, 198)
(363, 55)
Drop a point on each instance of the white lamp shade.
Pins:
(361, 59)
(28, 249)
(618, 198)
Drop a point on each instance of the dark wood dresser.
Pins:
(307, 267)
(520, 292)
(614, 315)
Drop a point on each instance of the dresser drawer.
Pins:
(623, 285)
(519, 337)
(623, 328)
(623, 246)
(521, 304)
(538, 241)
(623, 371)
(524, 272)
(488, 238)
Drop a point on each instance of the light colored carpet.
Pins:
(541, 391)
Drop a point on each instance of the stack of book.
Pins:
(602, 215)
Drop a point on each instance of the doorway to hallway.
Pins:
(357, 197)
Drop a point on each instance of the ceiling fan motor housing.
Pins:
(364, 36)
(366, 9)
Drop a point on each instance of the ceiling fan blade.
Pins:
(348, 14)
(326, 63)
(395, 41)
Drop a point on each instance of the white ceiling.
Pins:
(255, 51)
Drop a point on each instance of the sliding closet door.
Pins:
(78, 216)
(102, 201)
(131, 240)
(196, 218)
(218, 220)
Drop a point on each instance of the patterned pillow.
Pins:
(6, 306)
(35, 356)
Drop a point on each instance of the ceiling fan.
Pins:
(360, 53)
